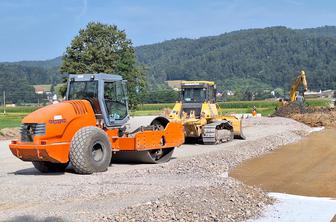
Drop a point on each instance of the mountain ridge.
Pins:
(242, 60)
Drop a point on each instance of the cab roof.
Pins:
(201, 82)
(96, 76)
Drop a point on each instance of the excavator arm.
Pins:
(301, 79)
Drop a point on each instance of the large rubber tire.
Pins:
(90, 151)
(48, 167)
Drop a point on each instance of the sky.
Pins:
(42, 29)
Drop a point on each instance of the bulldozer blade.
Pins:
(241, 137)
(239, 134)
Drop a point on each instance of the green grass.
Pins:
(248, 104)
(223, 105)
(158, 106)
(19, 109)
(15, 114)
(318, 102)
(264, 111)
(146, 112)
(10, 120)
(264, 107)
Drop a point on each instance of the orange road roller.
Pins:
(90, 128)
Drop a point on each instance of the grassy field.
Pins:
(10, 120)
(14, 115)
(265, 111)
(266, 108)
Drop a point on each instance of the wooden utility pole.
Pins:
(4, 102)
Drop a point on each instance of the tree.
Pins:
(101, 48)
(14, 80)
(163, 94)
(272, 56)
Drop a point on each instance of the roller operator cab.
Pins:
(198, 111)
(89, 129)
(106, 93)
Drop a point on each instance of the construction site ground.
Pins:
(306, 168)
(312, 116)
(194, 186)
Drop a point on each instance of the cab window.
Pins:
(83, 90)
(194, 95)
(115, 100)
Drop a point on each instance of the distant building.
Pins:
(324, 94)
(39, 90)
(230, 93)
(42, 89)
(174, 84)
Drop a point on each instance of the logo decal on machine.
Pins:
(58, 119)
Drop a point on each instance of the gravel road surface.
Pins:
(193, 186)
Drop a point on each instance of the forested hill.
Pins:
(35, 72)
(255, 58)
(271, 56)
(246, 60)
(47, 64)
(17, 78)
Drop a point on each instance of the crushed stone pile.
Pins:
(229, 200)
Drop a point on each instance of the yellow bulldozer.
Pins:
(200, 114)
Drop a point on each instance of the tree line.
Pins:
(249, 62)
(17, 81)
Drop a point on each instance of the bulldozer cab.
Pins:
(107, 94)
(195, 93)
(198, 92)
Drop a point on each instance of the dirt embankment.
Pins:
(312, 116)
(9, 133)
(306, 168)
